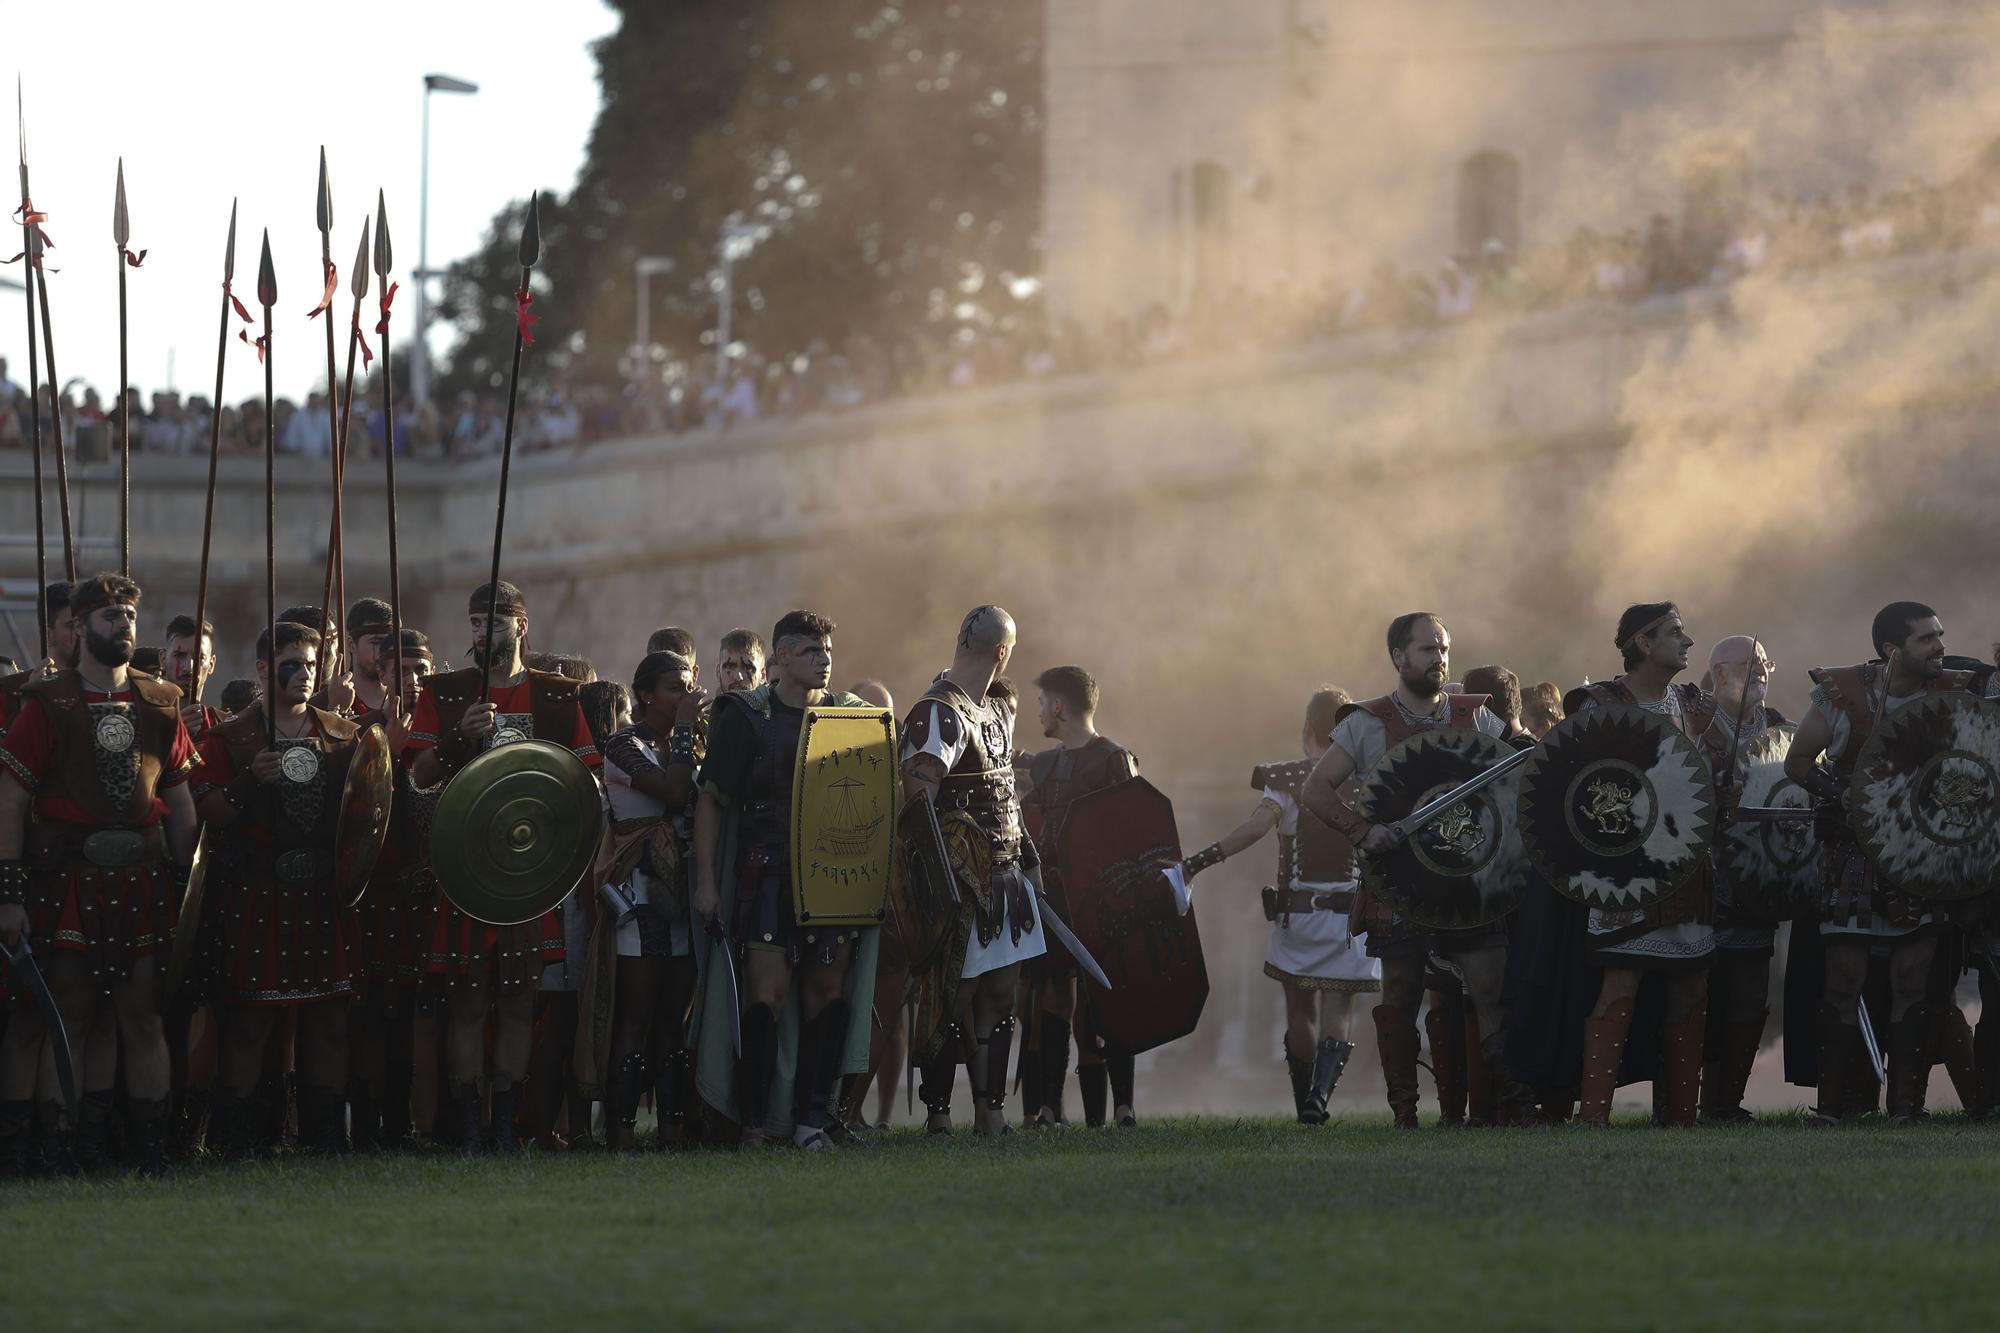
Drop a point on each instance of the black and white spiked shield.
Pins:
(1769, 866)
(1617, 809)
(1925, 804)
(1465, 868)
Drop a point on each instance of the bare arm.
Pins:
(182, 825)
(426, 770)
(1251, 831)
(922, 772)
(1321, 794)
(1814, 734)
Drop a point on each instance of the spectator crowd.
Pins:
(1778, 235)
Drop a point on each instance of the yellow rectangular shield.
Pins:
(843, 816)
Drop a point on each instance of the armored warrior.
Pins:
(187, 660)
(1739, 981)
(1859, 910)
(1675, 936)
(1312, 953)
(271, 783)
(63, 645)
(958, 747)
(398, 916)
(101, 756)
(492, 969)
(1083, 762)
(649, 777)
(1420, 650)
(805, 989)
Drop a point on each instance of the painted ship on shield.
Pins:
(846, 835)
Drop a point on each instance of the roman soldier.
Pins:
(62, 636)
(492, 969)
(1420, 650)
(958, 745)
(1312, 953)
(187, 659)
(1675, 936)
(1859, 910)
(650, 780)
(804, 990)
(99, 755)
(398, 916)
(1739, 982)
(1083, 762)
(270, 784)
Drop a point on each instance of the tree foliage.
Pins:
(880, 165)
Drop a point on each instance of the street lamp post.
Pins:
(735, 236)
(645, 268)
(420, 367)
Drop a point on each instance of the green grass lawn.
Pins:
(1177, 1224)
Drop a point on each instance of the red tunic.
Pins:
(461, 945)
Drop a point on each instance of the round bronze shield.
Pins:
(1769, 868)
(1616, 808)
(187, 928)
(1466, 867)
(1925, 804)
(514, 832)
(365, 801)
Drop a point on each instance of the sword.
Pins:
(1067, 938)
(1434, 809)
(1772, 814)
(1868, 1039)
(721, 945)
(29, 977)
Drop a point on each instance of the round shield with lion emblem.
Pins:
(1617, 809)
(1465, 868)
(1925, 804)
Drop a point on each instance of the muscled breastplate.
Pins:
(981, 782)
(771, 781)
(110, 754)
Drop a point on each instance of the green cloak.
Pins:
(708, 1026)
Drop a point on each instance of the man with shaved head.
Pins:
(958, 746)
(1739, 979)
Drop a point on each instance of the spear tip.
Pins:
(531, 231)
(267, 275)
(229, 254)
(325, 209)
(385, 255)
(358, 282)
(121, 222)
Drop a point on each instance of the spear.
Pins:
(358, 285)
(31, 248)
(324, 216)
(215, 415)
(121, 233)
(384, 258)
(267, 296)
(39, 280)
(531, 250)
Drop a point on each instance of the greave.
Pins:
(1603, 1046)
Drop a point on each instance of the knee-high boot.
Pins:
(1680, 1067)
(1909, 1064)
(1396, 1042)
(1447, 1066)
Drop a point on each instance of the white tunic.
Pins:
(1314, 950)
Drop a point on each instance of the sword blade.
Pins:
(28, 976)
(1067, 938)
(735, 999)
(1432, 810)
(1868, 1038)
(1772, 814)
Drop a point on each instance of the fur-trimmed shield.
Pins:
(1616, 808)
(1465, 868)
(1112, 847)
(1770, 867)
(1925, 804)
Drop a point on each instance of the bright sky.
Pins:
(208, 99)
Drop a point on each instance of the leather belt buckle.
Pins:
(115, 848)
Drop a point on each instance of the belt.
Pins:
(106, 848)
(1287, 902)
(300, 865)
